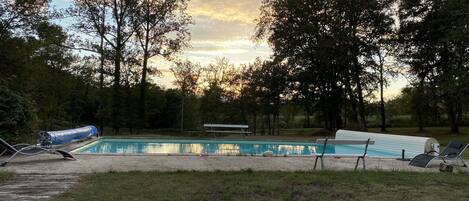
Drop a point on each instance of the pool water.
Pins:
(219, 147)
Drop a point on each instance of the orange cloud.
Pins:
(245, 11)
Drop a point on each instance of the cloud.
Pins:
(243, 11)
(224, 28)
(207, 28)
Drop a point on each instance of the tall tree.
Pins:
(187, 76)
(18, 20)
(21, 15)
(385, 66)
(161, 31)
(271, 83)
(220, 85)
(434, 42)
(327, 42)
(118, 29)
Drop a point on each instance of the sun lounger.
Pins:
(28, 150)
(453, 151)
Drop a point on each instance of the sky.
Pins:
(224, 28)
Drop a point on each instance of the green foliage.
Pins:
(434, 41)
(15, 114)
(323, 72)
(329, 47)
(211, 105)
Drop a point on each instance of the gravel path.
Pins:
(51, 164)
(25, 187)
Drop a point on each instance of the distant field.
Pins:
(248, 185)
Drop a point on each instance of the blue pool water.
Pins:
(219, 147)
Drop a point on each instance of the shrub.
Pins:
(15, 114)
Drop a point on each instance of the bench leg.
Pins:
(356, 164)
(358, 160)
(316, 162)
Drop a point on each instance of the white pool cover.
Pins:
(412, 145)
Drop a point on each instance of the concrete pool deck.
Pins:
(92, 163)
(51, 164)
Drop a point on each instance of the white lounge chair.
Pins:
(28, 150)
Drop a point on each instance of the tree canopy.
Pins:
(330, 61)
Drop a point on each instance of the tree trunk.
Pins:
(143, 82)
(353, 106)
(269, 124)
(307, 119)
(116, 96)
(278, 125)
(334, 116)
(357, 71)
(182, 113)
(272, 129)
(101, 77)
(263, 124)
(419, 108)
(129, 111)
(255, 124)
(381, 85)
(361, 104)
(141, 105)
(452, 117)
(353, 101)
(459, 112)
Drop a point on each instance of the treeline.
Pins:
(340, 52)
(331, 62)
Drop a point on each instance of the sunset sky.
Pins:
(224, 28)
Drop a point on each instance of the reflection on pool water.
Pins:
(218, 147)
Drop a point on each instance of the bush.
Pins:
(15, 115)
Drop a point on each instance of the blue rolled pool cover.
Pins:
(48, 138)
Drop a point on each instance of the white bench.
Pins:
(326, 142)
(227, 128)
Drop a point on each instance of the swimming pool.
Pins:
(219, 147)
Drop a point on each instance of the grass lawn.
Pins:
(248, 185)
(4, 176)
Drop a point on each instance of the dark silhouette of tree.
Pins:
(20, 16)
(161, 31)
(187, 76)
(330, 42)
(271, 82)
(118, 29)
(434, 42)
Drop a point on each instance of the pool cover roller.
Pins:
(48, 138)
(412, 145)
